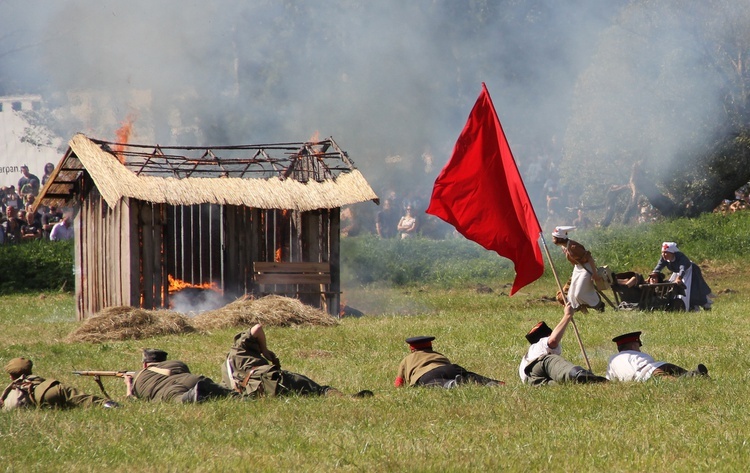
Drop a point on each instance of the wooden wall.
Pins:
(124, 255)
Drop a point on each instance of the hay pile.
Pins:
(130, 323)
(269, 310)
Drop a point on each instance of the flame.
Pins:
(123, 136)
(315, 137)
(277, 255)
(176, 285)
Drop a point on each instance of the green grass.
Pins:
(662, 425)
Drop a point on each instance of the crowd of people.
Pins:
(20, 222)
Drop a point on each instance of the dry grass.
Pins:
(130, 323)
(269, 310)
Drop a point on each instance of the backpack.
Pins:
(246, 371)
(19, 394)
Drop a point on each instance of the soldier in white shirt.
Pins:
(631, 364)
(543, 363)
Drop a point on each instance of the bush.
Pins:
(712, 237)
(367, 259)
(36, 266)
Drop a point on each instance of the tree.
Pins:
(668, 89)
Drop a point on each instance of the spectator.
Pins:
(63, 230)
(582, 221)
(31, 229)
(407, 226)
(12, 226)
(13, 199)
(49, 219)
(28, 183)
(385, 221)
(48, 168)
(349, 224)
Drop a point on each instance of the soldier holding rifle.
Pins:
(162, 380)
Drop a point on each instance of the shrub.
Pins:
(36, 266)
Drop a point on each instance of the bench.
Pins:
(298, 279)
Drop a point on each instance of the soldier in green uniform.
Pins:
(162, 380)
(29, 390)
(425, 367)
(251, 369)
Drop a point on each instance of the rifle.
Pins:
(98, 374)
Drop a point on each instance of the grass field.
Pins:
(661, 425)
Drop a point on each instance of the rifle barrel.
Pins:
(119, 374)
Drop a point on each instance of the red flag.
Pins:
(481, 193)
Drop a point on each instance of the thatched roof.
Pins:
(302, 179)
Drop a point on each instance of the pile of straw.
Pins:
(269, 310)
(130, 323)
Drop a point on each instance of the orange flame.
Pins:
(123, 136)
(277, 255)
(176, 285)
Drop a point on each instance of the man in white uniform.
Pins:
(631, 364)
(543, 364)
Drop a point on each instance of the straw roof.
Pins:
(163, 178)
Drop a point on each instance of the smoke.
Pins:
(194, 301)
(386, 78)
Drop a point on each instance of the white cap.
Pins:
(562, 232)
(669, 247)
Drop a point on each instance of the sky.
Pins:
(390, 81)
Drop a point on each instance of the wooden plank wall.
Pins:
(123, 256)
(102, 256)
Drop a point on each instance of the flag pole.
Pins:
(559, 287)
(541, 234)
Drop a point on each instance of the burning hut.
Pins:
(250, 219)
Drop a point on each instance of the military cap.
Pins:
(419, 343)
(18, 367)
(538, 332)
(628, 338)
(562, 231)
(151, 355)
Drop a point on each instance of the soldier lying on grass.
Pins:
(251, 369)
(29, 390)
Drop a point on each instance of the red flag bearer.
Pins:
(481, 193)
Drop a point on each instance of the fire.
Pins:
(315, 137)
(277, 255)
(123, 136)
(176, 285)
